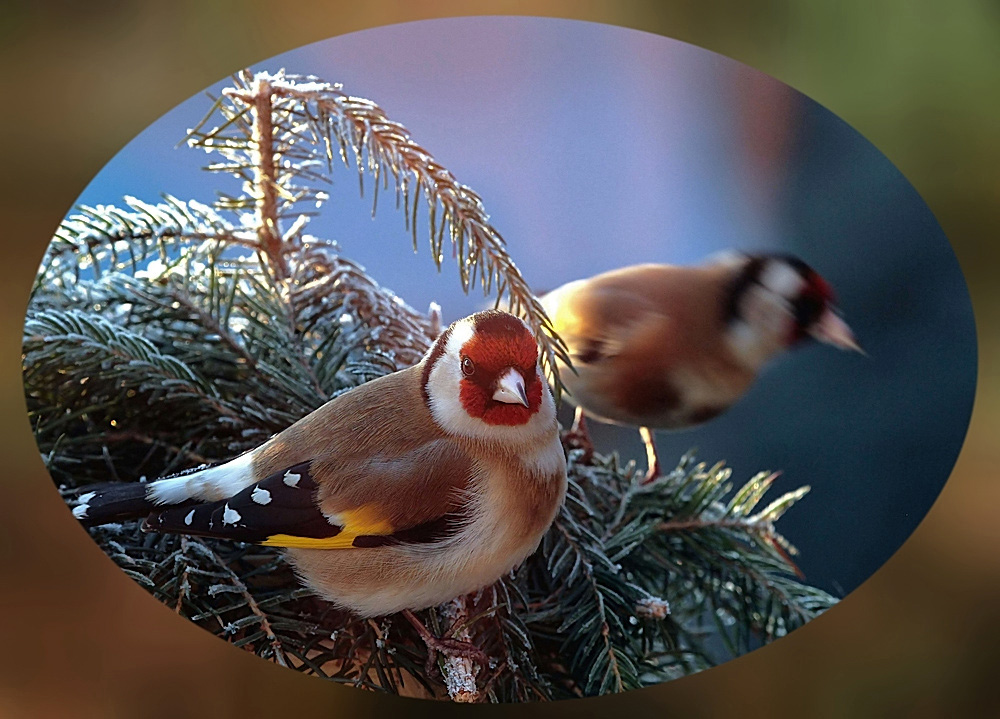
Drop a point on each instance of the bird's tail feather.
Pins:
(112, 502)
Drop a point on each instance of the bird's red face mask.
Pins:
(500, 383)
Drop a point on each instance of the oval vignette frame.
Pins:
(595, 147)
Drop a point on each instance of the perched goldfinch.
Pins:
(661, 346)
(410, 490)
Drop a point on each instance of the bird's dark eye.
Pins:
(468, 367)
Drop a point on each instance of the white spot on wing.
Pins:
(85, 498)
(260, 496)
(230, 516)
(189, 518)
(80, 511)
(291, 478)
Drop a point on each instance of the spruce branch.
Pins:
(257, 615)
(110, 239)
(290, 113)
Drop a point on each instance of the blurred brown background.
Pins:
(919, 79)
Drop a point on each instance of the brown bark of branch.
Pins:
(268, 233)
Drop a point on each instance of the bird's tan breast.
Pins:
(509, 511)
(519, 504)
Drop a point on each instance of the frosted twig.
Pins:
(460, 672)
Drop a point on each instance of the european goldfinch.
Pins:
(662, 346)
(410, 490)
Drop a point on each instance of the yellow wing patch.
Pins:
(365, 520)
(288, 540)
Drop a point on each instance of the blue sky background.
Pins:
(595, 147)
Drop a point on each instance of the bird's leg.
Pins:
(652, 460)
(580, 437)
(445, 645)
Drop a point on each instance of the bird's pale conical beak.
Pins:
(834, 331)
(510, 388)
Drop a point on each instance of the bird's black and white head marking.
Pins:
(774, 301)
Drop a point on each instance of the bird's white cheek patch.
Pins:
(444, 386)
(781, 279)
